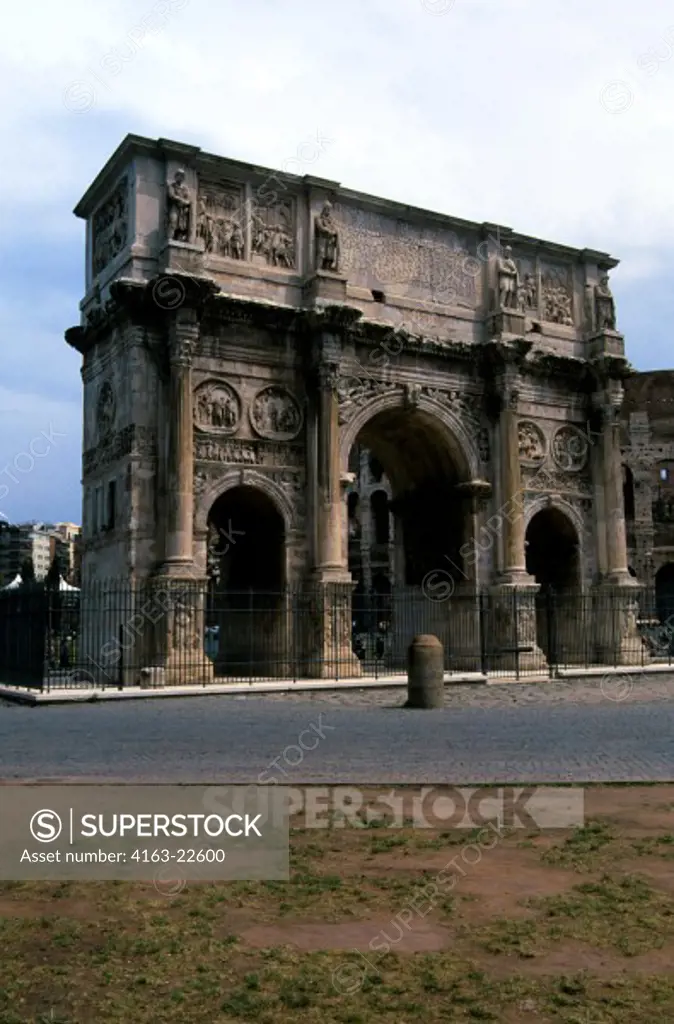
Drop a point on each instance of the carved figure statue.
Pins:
(205, 226)
(604, 305)
(178, 208)
(530, 291)
(236, 243)
(327, 240)
(508, 280)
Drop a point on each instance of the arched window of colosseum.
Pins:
(380, 516)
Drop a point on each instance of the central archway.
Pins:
(247, 615)
(425, 525)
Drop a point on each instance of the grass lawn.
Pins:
(573, 926)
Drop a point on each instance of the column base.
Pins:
(177, 568)
(510, 626)
(464, 625)
(616, 610)
(328, 625)
(174, 652)
(506, 322)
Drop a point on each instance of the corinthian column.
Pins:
(183, 336)
(329, 492)
(512, 512)
(609, 402)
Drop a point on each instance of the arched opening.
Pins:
(628, 494)
(419, 523)
(664, 591)
(552, 554)
(552, 558)
(246, 565)
(380, 516)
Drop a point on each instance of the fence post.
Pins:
(484, 661)
(550, 630)
(120, 678)
(517, 632)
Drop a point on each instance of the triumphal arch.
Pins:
(244, 330)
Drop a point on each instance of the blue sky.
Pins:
(553, 118)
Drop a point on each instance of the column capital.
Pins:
(328, 376)
(183, 338)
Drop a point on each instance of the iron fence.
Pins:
(120, 634)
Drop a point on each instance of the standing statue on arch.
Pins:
(327, 240)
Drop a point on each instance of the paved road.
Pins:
(487, 736)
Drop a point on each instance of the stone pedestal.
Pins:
(462, 652)
(617, 638)
(325, 287)
(327, 625)
(510, 627)
(507, 322)
(174, 636)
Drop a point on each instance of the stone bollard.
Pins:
(425, 673)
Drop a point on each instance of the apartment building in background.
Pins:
(39, 542)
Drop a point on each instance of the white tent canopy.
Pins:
(17, 582)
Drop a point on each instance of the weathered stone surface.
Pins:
(244, 332)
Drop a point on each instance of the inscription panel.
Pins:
(427, 263)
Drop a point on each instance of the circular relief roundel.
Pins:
(217, 407)
(570, 448)
(531, 442)
(276, 414)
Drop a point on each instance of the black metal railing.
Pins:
(118, 634)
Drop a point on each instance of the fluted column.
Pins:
(513, 533)
(609, 402)
(329, 510)
(183, 337)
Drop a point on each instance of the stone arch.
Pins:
(567, 522)
(567, 509)
(462, 446)
(425, 454)
(243, 478)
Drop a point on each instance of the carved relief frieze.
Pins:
(356, 392)
(570, 449)
(276, 414)
(106, 408)
(293, 483)
(531, 439)
(555, 481)
(110, 228)
(130, 440)
(217, 407)
(248, 453)
(466, 407)
(484, 448)
(274, 232)
(557, 295)
(220, 220)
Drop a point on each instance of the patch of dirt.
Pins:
(573, 957)
(417, 935)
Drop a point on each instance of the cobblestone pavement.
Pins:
(550, 732)
(625, 686)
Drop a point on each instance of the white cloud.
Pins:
(499, 110)
(492, 111)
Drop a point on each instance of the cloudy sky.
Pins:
(553, 118)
